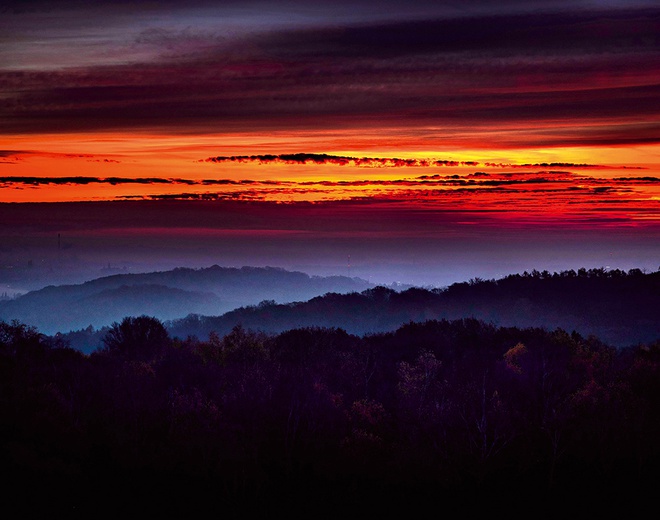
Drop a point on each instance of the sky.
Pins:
(423, 142)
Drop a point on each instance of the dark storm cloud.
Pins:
(242, 182)
(653, 180)
(300, 158)
(597, 67)
(456, 163)
(239, 195)
(35, 181)
(305, 158)
(545, 165)
(267, 187)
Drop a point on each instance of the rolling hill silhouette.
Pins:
(166, 295)
(618, 307)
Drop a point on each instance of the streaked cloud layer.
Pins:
(550, 193)
(559, 74)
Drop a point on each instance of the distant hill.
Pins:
(620, 308)
(166, 295)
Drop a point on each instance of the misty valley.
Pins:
(619, 307)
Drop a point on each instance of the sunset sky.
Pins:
(421, 142)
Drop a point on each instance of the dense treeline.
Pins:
(317, 421)
(619, 307)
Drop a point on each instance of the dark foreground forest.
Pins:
(437, 417)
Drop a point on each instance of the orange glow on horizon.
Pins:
(172, 166)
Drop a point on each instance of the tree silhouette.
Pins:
(18, 338)
(140, 337)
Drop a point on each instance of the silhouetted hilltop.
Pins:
(166, 295)
(619, 307)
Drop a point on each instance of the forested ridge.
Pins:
(619, 307)
(460, 416)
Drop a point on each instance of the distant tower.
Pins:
(349, 266)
